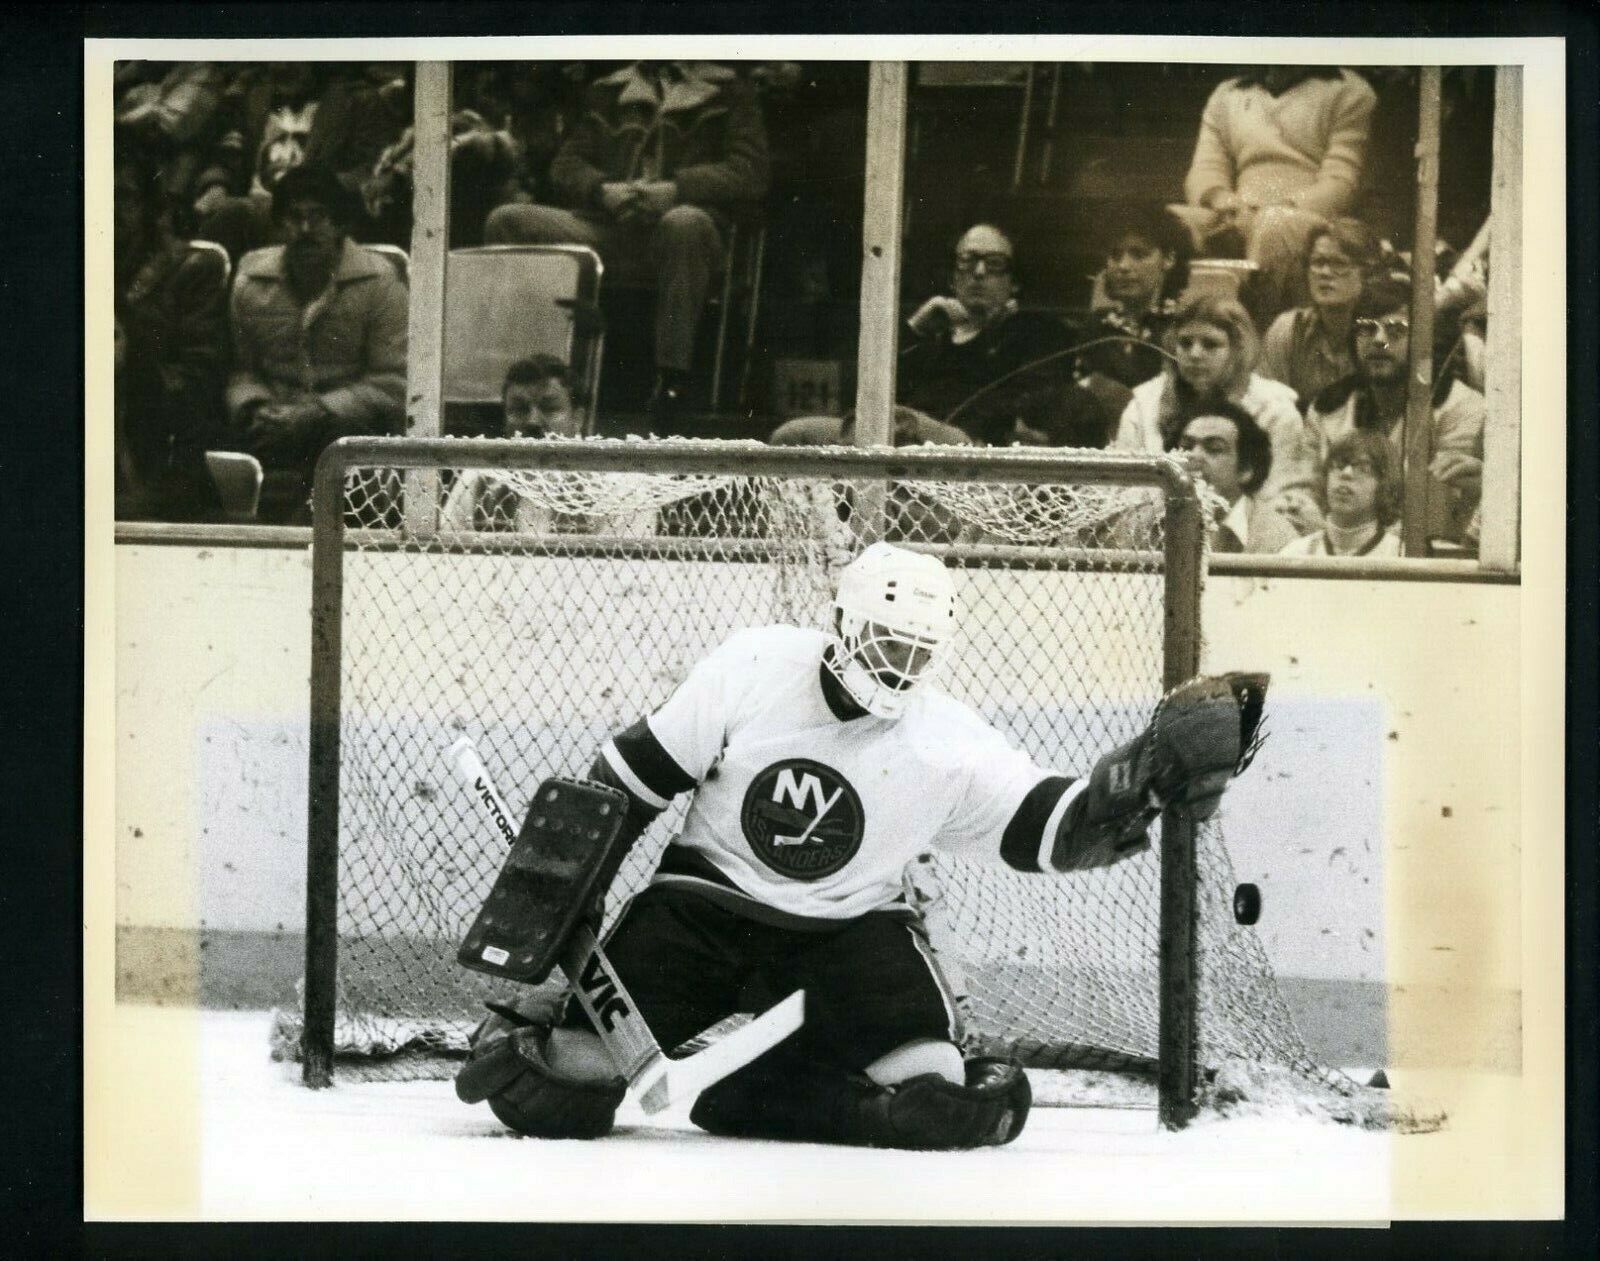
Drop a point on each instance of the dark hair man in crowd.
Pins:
(537, 402)
(1225, 446)
(319, 330)
(1374, 398)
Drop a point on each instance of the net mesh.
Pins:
(547, 610)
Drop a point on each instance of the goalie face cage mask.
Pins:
(893, 615)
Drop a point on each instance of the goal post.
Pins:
(587, 575)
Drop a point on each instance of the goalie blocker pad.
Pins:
(549, 881)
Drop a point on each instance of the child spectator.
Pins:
(1308, 348)
(1226, 447)
(1374, 398)
(173, 354)
(1361, 489)
(1213, 351)
(319, 329)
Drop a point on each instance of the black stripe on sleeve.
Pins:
(650, 762)
(1020, 842)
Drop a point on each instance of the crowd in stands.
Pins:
(1259, 326)
(1263, 374)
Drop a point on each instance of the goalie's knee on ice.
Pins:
(812, 1103)
(513, 1075)
(916, 1058)
(932, 1113)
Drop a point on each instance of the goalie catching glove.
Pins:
(1203, 734)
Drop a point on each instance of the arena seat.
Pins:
(397, 258)
(506, 302)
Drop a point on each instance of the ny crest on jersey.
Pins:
(802, 819)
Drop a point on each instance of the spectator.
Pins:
(911, 428)
(243, 222)
(365, 108)
(1308, 348)
(1147, 267)
(536, 103)
(319, 330)
(255, 94)
(170, 113)
(964, 344)
(1361, 488)
(1278, 149)
(1225, 446)
(1374, 397)
(650, 176)
(537, 402)
(1213, 347)
(173, 358)
(483, 170)
(290, 115)
(1463, 293)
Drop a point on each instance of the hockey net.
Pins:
(537, 610)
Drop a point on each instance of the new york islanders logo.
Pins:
(802, 819)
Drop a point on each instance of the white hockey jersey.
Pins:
(815, 816)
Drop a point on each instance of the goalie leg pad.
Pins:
(930, 1113)
(512, 1074)
(805, 1102)
(571, 839)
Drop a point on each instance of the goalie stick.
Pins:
(658, 1081)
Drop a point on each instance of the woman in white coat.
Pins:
(1212, 350)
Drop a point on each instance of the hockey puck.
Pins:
(1246, 903)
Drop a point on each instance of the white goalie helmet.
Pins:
(894, 612)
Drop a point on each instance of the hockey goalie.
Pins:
(819, 765)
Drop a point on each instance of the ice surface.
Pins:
(272, 1149)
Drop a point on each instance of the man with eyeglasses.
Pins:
(1374, 397)
(968, 339)
(319, 328)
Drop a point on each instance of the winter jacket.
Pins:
(703, 131)
(348, 347)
